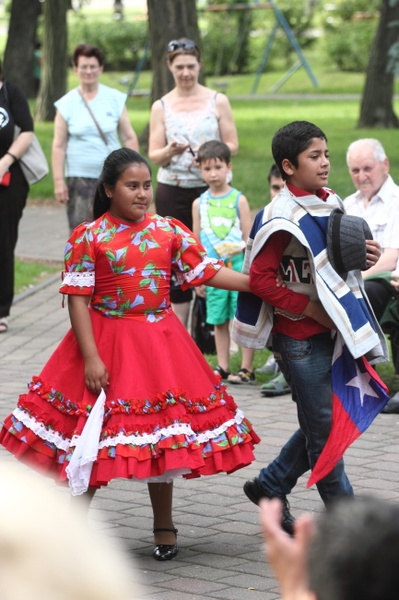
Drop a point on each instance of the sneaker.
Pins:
(255, 492)
(270, 366)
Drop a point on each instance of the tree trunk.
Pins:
(378, 95)
(54, 72)
(18, 55)
(168, 20)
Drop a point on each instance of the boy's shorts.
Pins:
(221, 304)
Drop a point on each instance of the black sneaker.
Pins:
(255, 493)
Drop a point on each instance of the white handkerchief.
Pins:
(86, 449)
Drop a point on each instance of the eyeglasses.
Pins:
(188, 45)
(88, 68)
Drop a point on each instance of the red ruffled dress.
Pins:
(166, 413)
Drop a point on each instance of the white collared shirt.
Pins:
(381, 213)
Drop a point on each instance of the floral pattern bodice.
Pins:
(126, 267)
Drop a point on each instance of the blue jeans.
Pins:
(306, 365)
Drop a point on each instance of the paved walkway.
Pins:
(221, 550)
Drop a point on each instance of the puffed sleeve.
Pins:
(79, 256)
(189, 261)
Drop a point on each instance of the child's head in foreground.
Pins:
(300, 152)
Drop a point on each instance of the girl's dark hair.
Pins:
(88, 51)
(114, 165)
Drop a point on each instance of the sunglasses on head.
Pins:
(181, 45)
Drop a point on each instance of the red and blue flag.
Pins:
(358, 396)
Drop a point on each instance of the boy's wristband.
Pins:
(12, 156)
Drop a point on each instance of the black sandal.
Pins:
(165, 551)
(219, 371)
(243, 376)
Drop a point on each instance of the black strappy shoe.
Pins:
(165, 551)
(219, 371)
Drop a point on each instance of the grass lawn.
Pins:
(28, 274)
(257, 119)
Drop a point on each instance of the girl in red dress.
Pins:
(127, 393)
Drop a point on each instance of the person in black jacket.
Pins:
(14, 110)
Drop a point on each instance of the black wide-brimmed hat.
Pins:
(346, 242)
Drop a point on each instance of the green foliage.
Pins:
(349, 47)
(345, 10)
(349, 33)
(300, 20)
(121, 41)
(225, 37)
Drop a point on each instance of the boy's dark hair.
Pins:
(114, 165)
(89, 51)
(214, 149)
(273, 172)
(355, 551)
(292, 139)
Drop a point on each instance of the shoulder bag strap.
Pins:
(100, 131)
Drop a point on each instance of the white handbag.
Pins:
(33, 163)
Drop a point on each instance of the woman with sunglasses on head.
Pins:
(89, 121)
(186, 117)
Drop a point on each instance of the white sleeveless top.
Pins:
(195, 128)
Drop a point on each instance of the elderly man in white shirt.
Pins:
(377, 201)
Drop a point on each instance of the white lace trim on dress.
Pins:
(86, 279)
(41, 430)
(65, 444)
(190, 275)
(204, 437)
(175, 429)
(148, 438)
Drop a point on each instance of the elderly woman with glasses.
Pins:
(89, 121)
(189, 115)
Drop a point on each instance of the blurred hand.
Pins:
(280, 281)
(373, 251)
(96, 375)
(61, 192)
(176, 148)
(201, 291)
(287, 556)
(395, 280)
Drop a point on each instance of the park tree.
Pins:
(378, 95)
(54, 71)
(20, 45)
